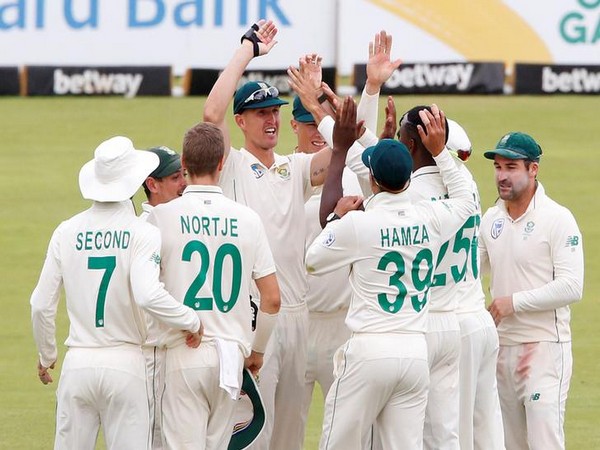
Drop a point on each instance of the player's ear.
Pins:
(151, 185)
(239, 120)
(294, 125)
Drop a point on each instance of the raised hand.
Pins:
(311, 65)
(434, 134)
(380, 66)
(300, 81)
(262, 40)
(390, 125)
(346, 130)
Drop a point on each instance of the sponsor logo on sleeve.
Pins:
(497, 228)
(572, 241)
(155, 258)
(328, 239)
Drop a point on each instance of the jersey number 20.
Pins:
(206, 303)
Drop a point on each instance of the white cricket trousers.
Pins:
(326, 333)
(155, 377)
(382, 379)
(533, 398)
(480, 416)
(197, 414)
(443, 403)
(282, 381)
(103, 386)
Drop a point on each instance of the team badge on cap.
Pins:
(497, 228)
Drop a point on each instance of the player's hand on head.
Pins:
(346, 130)
(390, 124)
(379, 65)
(434, 134)
(348, 203)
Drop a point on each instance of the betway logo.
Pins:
(423, 75)
(577, 80)
(93, 82)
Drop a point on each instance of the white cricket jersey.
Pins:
(108, 260)
(212, 249)
(391, 247)
(331, 292)
(277, 194)
(538, 259)
(146, 209)
(456, 283)
(354, 156)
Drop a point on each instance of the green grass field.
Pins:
(44, 142)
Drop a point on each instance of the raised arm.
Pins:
(379, 69)
(345, 132)
(259, 40)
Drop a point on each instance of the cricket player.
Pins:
(469, 351)
(382, 372)
(328, 296)
(164, 184)
(108, 261)
(276, 187)
(213, 248)
(533, 249)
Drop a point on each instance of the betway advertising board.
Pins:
(177, 33)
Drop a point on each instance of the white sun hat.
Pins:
(458, 143)
(116, 172)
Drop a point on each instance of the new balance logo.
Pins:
(572, 241)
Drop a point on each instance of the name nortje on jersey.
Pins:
(209, 226)
(102, 239)
(410, 235)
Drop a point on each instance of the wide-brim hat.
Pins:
(116, 172)
(249, 417)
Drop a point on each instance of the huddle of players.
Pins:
(416, 363)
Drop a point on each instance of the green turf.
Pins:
(44, 142)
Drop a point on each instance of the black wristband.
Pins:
(323, 98)
(251, 36)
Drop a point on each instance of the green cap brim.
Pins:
(246, 435)
(505, 153)
(266, 103)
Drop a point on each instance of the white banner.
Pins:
(204, 33)
(546, 31)
(180, 33)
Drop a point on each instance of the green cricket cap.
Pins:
(516, 145)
